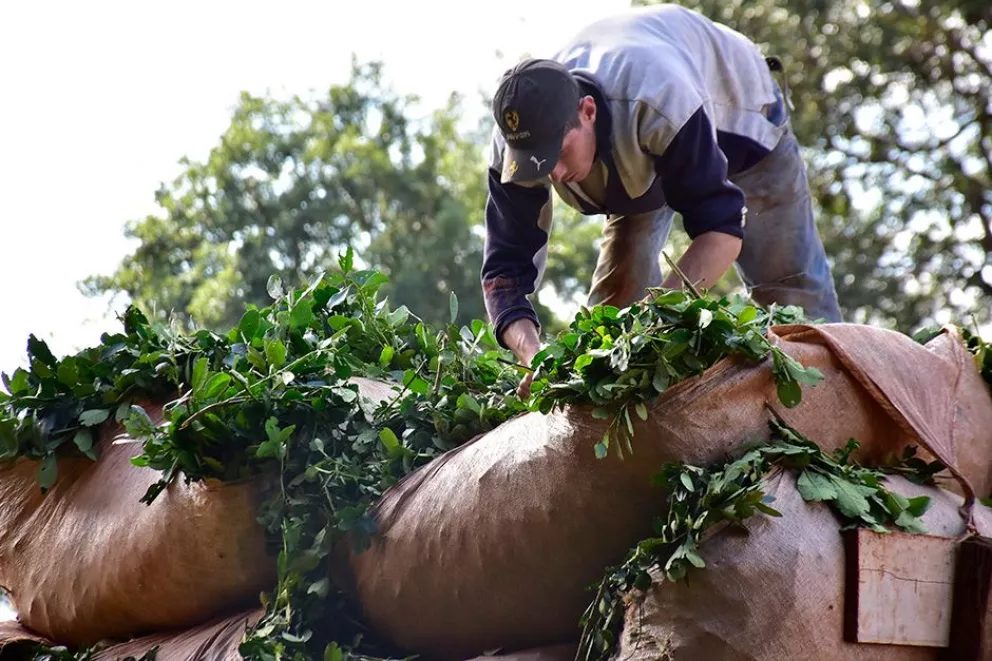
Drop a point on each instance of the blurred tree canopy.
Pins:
(293, 182)
(894, 102)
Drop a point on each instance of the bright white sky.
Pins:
(98, 101)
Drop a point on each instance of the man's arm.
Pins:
(705, 260)
(693, 172)
(518, 222)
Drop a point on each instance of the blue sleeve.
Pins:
(510, 270)
(693, 172)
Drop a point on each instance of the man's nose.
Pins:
(558, 173)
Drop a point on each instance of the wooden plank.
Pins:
(971, 617)
(899, 588)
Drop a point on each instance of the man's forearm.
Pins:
(706, 260)
(522, 339)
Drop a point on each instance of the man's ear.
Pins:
(587, 108)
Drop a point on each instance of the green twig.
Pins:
(682, 276)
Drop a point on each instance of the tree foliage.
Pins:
(894, 102)
(290, 183)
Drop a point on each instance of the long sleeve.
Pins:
(694, 176)
(518, 224)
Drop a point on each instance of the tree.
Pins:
(291, 184)
(893, 100)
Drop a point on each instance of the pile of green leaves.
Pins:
(619, 359)
(700, 501)
(276, 397)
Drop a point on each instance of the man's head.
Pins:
(548, 126)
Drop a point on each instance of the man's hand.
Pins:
(521, 337)
(706, 260)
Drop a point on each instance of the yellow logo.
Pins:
(512, 119)
(513, 168)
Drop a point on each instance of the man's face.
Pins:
(578, 148)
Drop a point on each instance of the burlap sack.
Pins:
(563, 652)
(15, 640)
(526, 515)
(216, 640)
(88, 561)
(774, 593)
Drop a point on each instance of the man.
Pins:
(654, 111)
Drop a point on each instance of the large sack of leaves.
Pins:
(775, 592)
(87, 560)
(496, 543)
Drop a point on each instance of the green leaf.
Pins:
(270, 448)
(67, 373)
(600, 413)
(93, 417)
(694, 558)
(660, 381)
(83, 440)
(415, 383)
(770, 511)
(275, 353)
(347, 395)
(39, 349)
(333, 653)
(199, 378)
(642, 410)
(389, 440)
(302, 314)
(603, 446)
(249, 324)
(815, 487)
(216, 385)
(386, 356)
(583, 361)
(452, 307)
(47, 472)
(347, 260)
(687, 481)
(17, 384)
(747, 315)
(850, 500)
(789, 393)
(398, 316)
(919, 506)
(320, 588)
(274, 286)
(910, 523)
(467, 401)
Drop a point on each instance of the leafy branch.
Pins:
(618, 360)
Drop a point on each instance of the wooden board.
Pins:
(971, 617)
(899, 588)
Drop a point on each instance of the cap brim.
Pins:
(529, 164)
